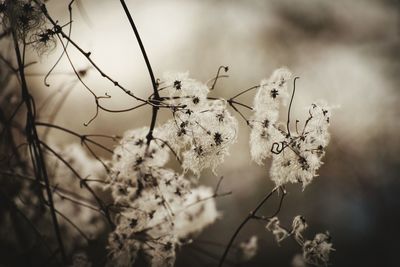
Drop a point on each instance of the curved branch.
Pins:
(243, 223)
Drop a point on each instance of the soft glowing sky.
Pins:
(338, 49)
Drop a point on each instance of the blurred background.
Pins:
(346, 52)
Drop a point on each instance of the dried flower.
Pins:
(302, 153)
(202, 129)
(274, 226)
(298, 226)
(317, 251)
(296, 157)
(271, 94)
(23, 16)
(158, 208)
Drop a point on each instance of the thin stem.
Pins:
(146, 59)
(82, 137)
(243, 223)
(240, 104)
(156, 97)
(290, 105)
(62, 54)
(120, 110)
(267, 218)
(97, 157)
(226, 68)
(170, 148)
(149, 136)
(238, 111)
(245, 91)
(280, 202)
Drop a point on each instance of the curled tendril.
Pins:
(278, 147)
(215, 79)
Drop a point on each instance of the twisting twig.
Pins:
(96, 98)
(62, 53)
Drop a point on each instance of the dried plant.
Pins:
(61, 199)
